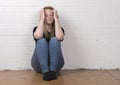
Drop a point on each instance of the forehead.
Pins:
(48, 11)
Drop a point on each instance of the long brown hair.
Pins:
(53, 25)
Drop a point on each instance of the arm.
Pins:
(58, 30)
(39, 31)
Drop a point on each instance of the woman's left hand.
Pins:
(55, 14)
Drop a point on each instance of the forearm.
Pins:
(58, 30)
(39, 31)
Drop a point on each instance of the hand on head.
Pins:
(55, 14)
(42, 14)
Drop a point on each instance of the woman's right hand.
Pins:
(42, 14)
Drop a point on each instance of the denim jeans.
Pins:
(47, 56)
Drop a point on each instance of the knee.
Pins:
(41, 41)
(54, 40)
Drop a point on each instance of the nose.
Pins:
(49, 17)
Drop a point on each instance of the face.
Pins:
(49, 16)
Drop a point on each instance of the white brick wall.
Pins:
(92, 30)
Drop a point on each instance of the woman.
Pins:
(47, 57)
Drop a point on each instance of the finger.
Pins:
(54, 11)
(42, 10)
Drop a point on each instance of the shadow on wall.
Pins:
(72, 47)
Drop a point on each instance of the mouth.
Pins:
(49, 20)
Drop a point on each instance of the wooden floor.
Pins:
(72, 77)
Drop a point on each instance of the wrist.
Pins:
(42, 20)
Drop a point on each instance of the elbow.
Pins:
(38, 36)
(60, 37)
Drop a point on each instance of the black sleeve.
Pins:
(63, 32)
(33, 32)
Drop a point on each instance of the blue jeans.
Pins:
(47, 56)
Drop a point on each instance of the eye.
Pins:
(46, 15)
(49, 14)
